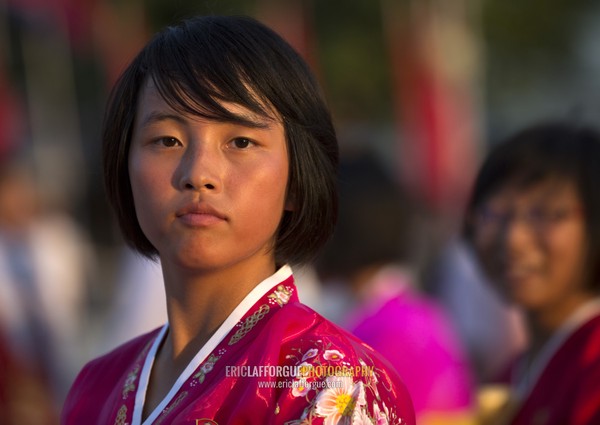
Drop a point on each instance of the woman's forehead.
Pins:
(545, 190)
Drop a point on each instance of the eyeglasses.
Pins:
(540, 218)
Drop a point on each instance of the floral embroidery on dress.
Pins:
(121, 416)
(205, 369)
(301, 387)
(332, 355)
(310, 354)
(171, 406)
(281, 295)
(130, 382)
(340, 399)
(360, 417)
(249, 323)
(129, 385)
(337, 391)
(381, 417)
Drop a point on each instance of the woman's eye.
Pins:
(241, 142)
(169, 142)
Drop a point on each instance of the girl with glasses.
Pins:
(534, 223)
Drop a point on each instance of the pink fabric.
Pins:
(281, 331)
(415, 335)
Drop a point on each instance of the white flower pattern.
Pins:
(333, 355)
(301, 387)
(339, 401)
(339, 398)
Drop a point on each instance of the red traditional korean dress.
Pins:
(273, 361)
(563, 385)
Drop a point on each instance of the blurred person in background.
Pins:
(44, 261)
(24, 397)
(371, 253)
(492, 330)
(126, 317)
(534, 223)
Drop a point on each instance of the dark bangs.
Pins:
(530, 157)
(195, 71)
(203, 62)
(544, 152)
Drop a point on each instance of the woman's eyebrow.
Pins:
(246, 120)
(160, 116)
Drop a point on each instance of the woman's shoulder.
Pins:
(96, 381)
(592, 326)
(583, 342)
(124, 354)
(581, 351)
(305, 325)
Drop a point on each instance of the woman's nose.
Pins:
(200, 169)
(516, 233)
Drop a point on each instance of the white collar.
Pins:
(253, 296)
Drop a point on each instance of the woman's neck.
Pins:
(199, 302)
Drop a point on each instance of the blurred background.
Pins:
(422, 88)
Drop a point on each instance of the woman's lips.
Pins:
(200, 215)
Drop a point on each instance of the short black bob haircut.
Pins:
(203, 62)
(549, 151)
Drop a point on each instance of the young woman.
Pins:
(220, 161)
(534, 221)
